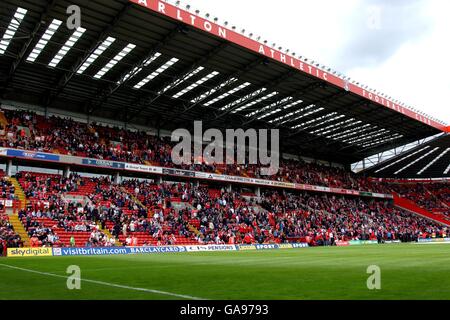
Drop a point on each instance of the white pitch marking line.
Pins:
(108, 284)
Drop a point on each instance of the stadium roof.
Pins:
(158, 65)
(428, 160)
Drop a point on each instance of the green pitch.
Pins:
(408, 271)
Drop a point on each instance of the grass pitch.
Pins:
(408, 271)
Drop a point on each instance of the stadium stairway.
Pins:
(138, 202)
(412, 207)
(14, 218)
(193, 229)
(190, 225)
(19, 229)
(108, 233)
(18, 191)
(3, 120)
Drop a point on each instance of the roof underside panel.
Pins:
(428, 160)
(142, 67)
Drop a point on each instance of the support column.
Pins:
(229, 188)
(117, 178)
(9, 167)
(159, 180)
(258, 192)
(197, 183)
(66, 172)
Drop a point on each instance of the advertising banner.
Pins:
(142, 168)
(224, 247)
(104, 163)
(29, 252)
(101, 251)
(245, 247)
(32, 155)
(361, 242)
(73, 160)
(178, 172)
(92, 251)
(299, 245)
(267, 246)
(435, 240)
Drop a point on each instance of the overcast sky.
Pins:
(398, 47)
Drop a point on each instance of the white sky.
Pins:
(398, 47)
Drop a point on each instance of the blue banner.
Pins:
(32, 155)
(434, 240)
(100, 251)
(94, 251)
(104, 163)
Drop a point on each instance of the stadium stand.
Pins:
(117, 113)
(65, 136)
(8, 237)
(69, 212)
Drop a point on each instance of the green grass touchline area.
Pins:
(408, 271)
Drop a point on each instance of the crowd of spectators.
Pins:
(219, 217)
(44, 226)
(329, 218)
(30, 131)
(8, 237)
(6, 189)
(306, 217)
(167, 211)
(434, 197)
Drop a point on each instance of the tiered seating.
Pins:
(218, 216)
(43, 218)
(195, 223)
(81, 237)
(213, 193)
(144, 238)
(432, 197)
(6, 189)
(67, 136)
(8, 237)
(167, 213)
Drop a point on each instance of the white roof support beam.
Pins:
(156, 73)
(46, 37)
(443, 153)
(76, 35)
(12, 28)
(416, 160)
(402, 159)
(97, 52)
